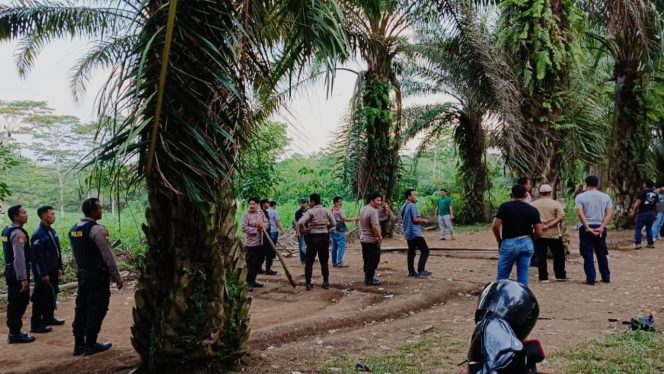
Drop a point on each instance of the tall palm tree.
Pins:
(632, 38)
(194, 80)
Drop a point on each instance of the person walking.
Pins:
(96, 267)
(594, 210)
(300, 242)
(659, 222)
(445, 213)
(412, 231)
(317, 237)
(646, 204)
(551, 215)
(371, 237)
(16, 248)
(252, 224)
(47, 268)
(338, 233)
(520, 222)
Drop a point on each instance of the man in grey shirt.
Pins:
(594, 209)
(371, 237)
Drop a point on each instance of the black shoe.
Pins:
(372, 282)
(424, 273)
(413, 274)
(79, 350)
(21, 337)
(309, 286)
(270, 272)
(326, 285)
(41, 329)
(96, 348)
(56, 322)
(261, 271)
(257, 285)
(606, 281)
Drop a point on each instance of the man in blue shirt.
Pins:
(412, 231)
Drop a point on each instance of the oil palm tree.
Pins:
(193, 80)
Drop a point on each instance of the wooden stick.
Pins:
(281, 259)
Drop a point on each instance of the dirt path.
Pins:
(299, 331)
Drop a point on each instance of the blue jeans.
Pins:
(338, 247)
(589, 244)
(515, 250)
(300, 246)
(274, 235)
(657, 226)
(644, 219)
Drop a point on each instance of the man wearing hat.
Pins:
(551, 214)
(300, 242)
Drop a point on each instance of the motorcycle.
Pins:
(506, 313)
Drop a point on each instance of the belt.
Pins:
(519, 237)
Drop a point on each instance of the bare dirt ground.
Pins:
(293, 330)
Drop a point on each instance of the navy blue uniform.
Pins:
(17, 301)
(47, 261)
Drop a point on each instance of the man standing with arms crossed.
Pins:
(96, 266)
(370, 238)
(17, 273)
(594, 209)
(47, 266)
(320, 220)
(445, 213)
(551, 214)
(412, 231)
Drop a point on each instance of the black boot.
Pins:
(96, 348)
(79, 345)
(326, 283)
(21, 337)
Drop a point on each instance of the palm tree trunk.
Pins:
(630, 141)
(471, 141)
(192, 305)
(61, 186)
(379, 169)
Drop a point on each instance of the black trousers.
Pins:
(255, 256)
(17, 302)
(542, 245)
(413, 245)
(317, 245)
(44, 297)
(371, 257)
(94, 293)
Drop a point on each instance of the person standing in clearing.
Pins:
(527, 183)
(657, 226)
(646, 204)
(253, 224)
(338, 233)
(317, 238)
(412, 231)
(371, 237)
(520, 222)
(594, 209)
(275, 226)
(445, 213)
(551, 214)
(300, 242)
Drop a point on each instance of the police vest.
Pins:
(8, 248)
(86, 252)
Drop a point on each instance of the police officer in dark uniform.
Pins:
(96, 267)
(47, 266)
(16, 249)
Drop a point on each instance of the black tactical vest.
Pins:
(8, 248)
(86, 252)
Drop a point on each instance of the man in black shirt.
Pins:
(646, 205)
(519, 222)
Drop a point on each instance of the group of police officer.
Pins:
(41, 253)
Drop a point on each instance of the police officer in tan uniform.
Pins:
(317, 237)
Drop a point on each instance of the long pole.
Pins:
(281, 259)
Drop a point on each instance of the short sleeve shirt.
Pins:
(368, 219)
(594, 204)
(648, 199)
(444, 204)
(273, 216)
(549, 210)
(519, 219)
(411, 230)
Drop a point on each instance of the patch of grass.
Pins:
(424, 354)
(626, 352)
